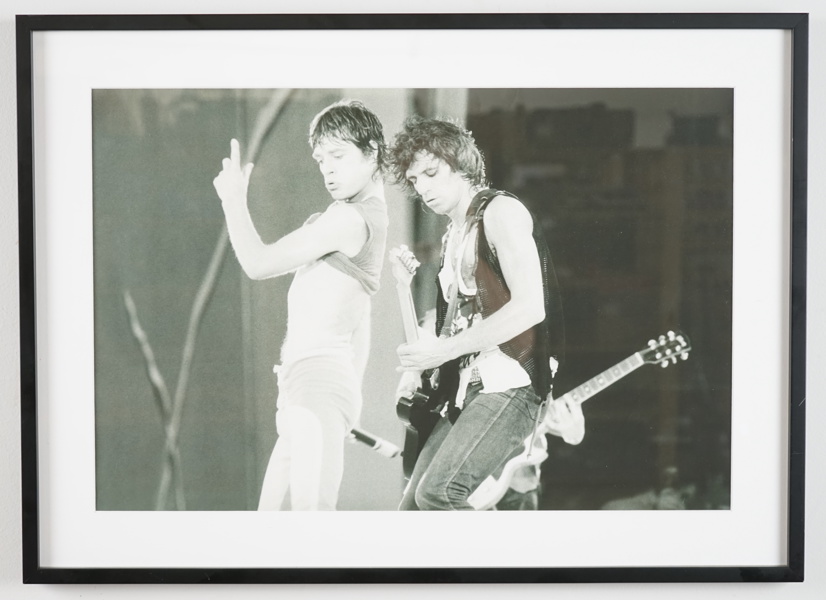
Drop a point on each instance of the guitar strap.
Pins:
(452, 301)
(453, 296)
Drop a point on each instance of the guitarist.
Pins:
(498, 319)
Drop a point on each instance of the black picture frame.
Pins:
(34, 572)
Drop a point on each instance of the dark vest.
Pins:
(531, 348)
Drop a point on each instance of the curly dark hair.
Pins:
(443, 139)
(351, 121)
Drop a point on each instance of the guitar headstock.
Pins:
(404, 264)
(666, 349)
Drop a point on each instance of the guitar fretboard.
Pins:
(596, 384)
(411, 331)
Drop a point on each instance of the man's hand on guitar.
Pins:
(409, 384)
(564, 418)
(428, 352)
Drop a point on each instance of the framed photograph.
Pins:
(276, 276)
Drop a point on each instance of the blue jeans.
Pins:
(457, 457)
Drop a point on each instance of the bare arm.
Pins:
(509, 229)
(339, 229)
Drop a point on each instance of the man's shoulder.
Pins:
(344, 214)
(505, 208)
(344, 225)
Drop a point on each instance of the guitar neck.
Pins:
(411, 323)
(608, 377)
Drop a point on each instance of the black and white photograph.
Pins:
(294, 287)
(296, 296)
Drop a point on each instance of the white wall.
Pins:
(10, 536)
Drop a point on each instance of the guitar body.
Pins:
(493, 488)
(419, 421)
(421, 412)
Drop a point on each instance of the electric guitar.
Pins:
(420, 412)
(663, 351)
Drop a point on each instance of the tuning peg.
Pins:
(674, 360)
(652, 344)
(684, 355)
(671, 335)
(681, 339)
(662, 339)
(664, 364)
(658, 355)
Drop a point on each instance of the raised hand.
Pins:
(233, 180)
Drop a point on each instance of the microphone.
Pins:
(383, 447)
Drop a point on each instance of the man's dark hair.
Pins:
(351, 121)
(441, 138)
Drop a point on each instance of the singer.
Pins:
(336, 257)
